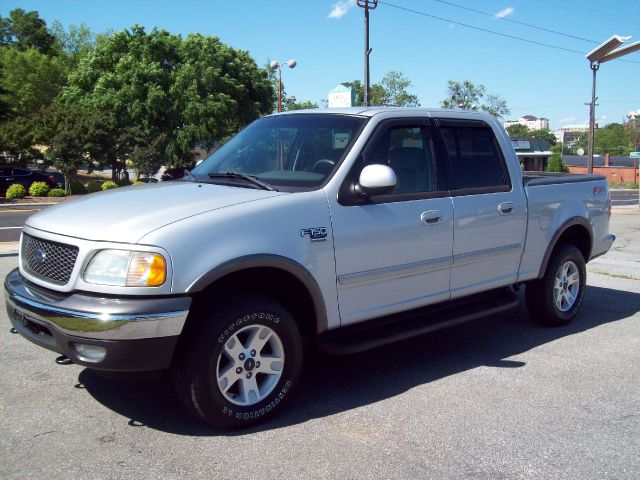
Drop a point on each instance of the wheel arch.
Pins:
(266, 274)
(574, 231)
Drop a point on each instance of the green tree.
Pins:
(395, 86)
(291, 103)
(519, 131)
(555, 163)
(544, 134)
(30, 80)
(391, 91)
(496, 106)
(26, 30)
(377, 92)
(155, 95)
(614, 139)
(217, 91)
(75, 43)
(466, 96)
(6, 112)
(63, 126)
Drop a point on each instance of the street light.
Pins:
(604, 52)
(273, 65)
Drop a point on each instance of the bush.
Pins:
(77, 187)
(109, 185)
(94, 186)
(56, 192)
(16, 191)
(138, 182)
(38, 189)
(555, 164)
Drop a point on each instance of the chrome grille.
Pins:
(51, 261)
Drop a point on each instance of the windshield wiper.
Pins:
(249, 178)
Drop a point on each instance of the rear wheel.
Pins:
(241, 362)
(556, 298)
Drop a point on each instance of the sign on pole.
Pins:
(341, 96)
(634, 154)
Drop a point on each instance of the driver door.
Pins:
(394, 251)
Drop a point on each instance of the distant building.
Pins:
(617, 169)
(533, 153)
(571, 133)
(529, 121)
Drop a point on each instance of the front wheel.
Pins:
(556, 298)
(240, 363)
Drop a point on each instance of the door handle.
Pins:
(505, 208)
(431, 217)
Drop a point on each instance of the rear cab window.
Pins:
(473, 157)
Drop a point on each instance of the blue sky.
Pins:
(326, 39)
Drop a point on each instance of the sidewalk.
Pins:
(8, 248)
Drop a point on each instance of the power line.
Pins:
(486, 30)
(504, 19)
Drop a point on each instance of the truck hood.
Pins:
(127, 214)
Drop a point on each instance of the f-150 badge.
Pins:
(316, 234)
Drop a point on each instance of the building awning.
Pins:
(534, 154)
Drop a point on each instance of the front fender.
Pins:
(268, 261)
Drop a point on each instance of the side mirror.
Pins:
(376, 179)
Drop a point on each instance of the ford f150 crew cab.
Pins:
(345, 228)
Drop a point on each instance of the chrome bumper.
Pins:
(94, 317)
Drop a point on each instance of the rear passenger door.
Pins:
(489, 214)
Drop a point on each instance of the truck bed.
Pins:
(532, 179)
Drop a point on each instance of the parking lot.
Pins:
(497, 398)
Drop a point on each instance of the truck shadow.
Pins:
(336, 384)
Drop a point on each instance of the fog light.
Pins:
(90, 353)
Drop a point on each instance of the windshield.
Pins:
(290, 152)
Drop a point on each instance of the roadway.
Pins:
(624, 198)
(12, 218)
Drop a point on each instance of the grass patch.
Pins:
(616, 275)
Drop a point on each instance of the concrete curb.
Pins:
(27, 204)
(9, 248)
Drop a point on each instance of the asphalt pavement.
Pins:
(12, 218)
(499, 398)
(624, 197)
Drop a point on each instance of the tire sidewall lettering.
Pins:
(235, 325)
(259, 412)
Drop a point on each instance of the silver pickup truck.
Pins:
(334, 229)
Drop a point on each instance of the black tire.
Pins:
(543, 297)
(200, 361)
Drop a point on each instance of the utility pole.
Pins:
(592, 118)
(367, 5)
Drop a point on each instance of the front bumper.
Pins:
(137, 334)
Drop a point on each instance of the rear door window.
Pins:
(474, 158)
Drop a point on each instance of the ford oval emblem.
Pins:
(38, 256)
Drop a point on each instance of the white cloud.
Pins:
(340, 9)
(505, 13)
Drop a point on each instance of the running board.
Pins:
(394, 328)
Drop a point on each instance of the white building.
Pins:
(529, 121)
(569, 133)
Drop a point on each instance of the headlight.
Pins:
(126, 269)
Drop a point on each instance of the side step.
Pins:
(375, 333)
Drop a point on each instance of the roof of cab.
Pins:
(375, 110)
